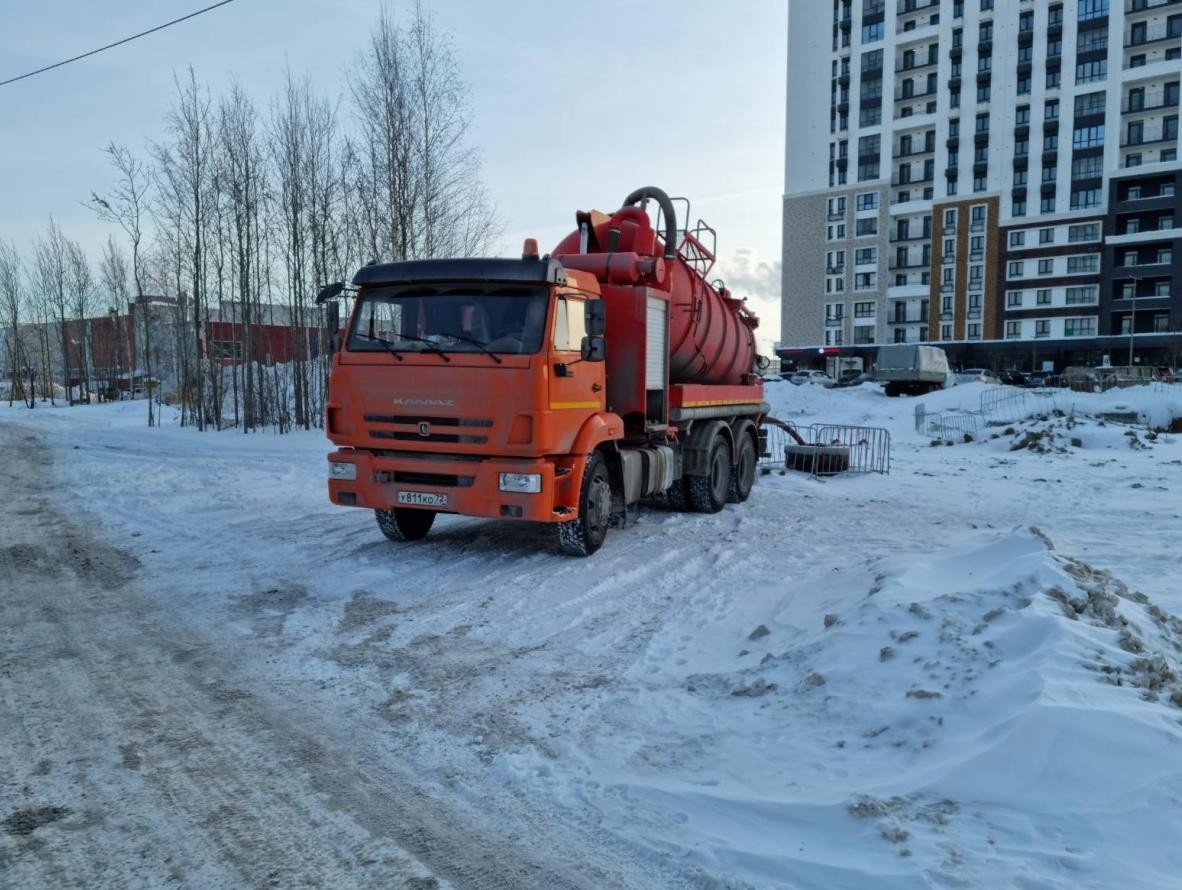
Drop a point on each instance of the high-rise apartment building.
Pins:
(998, 177)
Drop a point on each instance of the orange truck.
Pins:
(561, 389)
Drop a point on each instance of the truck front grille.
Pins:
(442, 480)
(423, 428)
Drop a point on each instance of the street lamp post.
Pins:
(1133, 317)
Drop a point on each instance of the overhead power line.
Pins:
(115, 44)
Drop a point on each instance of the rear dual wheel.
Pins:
(709, 493)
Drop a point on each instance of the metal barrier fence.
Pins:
(825, 449)
(1012, 403)
(952, 426)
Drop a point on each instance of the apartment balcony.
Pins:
(1150, 104)
(1149, 136)
(905, 6)
(1135, 6)
(918, 236)
(908, 319)
(902, 96)
(907, 291)
(1155, 33)
(1160, 68)
(895, 266)
(914, 153)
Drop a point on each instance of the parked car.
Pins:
(814, 377)
(976, 375)
(771, 378)
(1014, 377)
(852, 378)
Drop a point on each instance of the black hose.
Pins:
(651, 191)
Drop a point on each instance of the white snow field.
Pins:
(966, 673)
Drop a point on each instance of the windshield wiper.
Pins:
(479, 344)
(390, 347)
(431, 344)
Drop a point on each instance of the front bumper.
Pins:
(472, 487)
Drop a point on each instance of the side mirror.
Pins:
(330, 291)
(596, 318)
(593, 349)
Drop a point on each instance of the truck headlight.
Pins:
(339, 469)
(528, 483)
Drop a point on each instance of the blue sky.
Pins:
(575, 103)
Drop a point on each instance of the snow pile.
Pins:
(986, 715)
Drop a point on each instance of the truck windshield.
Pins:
(508, 320)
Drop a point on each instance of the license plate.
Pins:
(422, 498)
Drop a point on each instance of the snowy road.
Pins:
(136, 739)
(861, 682)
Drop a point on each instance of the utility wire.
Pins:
(115, 44)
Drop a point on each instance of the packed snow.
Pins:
(967, 672)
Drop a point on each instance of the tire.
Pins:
(708, 494)
(892, 390)
(585, 535)
(743, 474)
(403, 525)
(678, 495)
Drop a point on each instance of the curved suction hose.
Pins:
(658, 195)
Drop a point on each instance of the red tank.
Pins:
(711, 339)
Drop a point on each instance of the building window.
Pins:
(865, 280)
(1019, 208)
(1092, 9)
(871, 33)
(1077, 296)
(1013, 330)
(1017, 239)
(1083, 232)
(1082, 198)
(863, 334)
(1079, 327)
(867, 172)
(1090, 72)
(974, 331)
(864, 310)
(1053, 79)
(867, 201)
(837, 232)
(980, 183)
(1088, 137)
(945, 332)
(1043, 296)
(1014, 299)
(1047, 205)
(1082, 264)
(865, 256)
(1051, 110)
(1046, 236)
(1046, 267)
(1016, 269)
(1089, 103)
(1042, 327)
(1087, 168)
(867, 226)
(1165, 255)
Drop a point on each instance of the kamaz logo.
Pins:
(424, 428)
(439, 403)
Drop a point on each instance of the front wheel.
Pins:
(708, 494)
(743, 475)
(585, 535)
(402, 524)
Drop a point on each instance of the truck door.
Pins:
(576, 386)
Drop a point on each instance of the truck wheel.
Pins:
(678, 495)
(891, 389)
(743, 474)
(708, 493)
(583, 536)
(402, 524)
